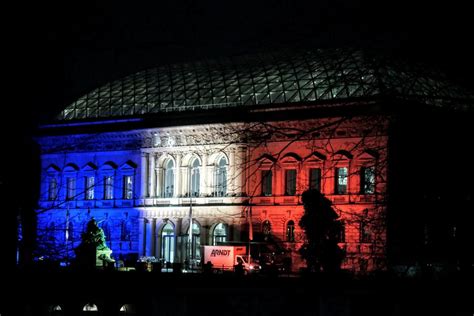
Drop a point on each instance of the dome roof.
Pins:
(278, 78)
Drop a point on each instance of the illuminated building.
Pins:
(233, 140)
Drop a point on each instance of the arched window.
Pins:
(108, 187)
(341, 180)
(266, 229)
(70, 175)
(90, 184)
(341, 160)
(167, 243)
(266, 183)
(108, 171)
(290, 181)
(52, 188)
(195, 250)
(168, 183)
(127, 187)
(219, 234)
(315, 179)
(221, 178)
(367, 180)
(290, 231)
(195, 177)
(89, 173)
(70, 188)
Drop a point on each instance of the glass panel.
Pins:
(169, 179)
(266, 182)
(167, 243)
(367, 181)
(315, 179)
(90, 182)
(71, 188)
(220, 234)
(195, 178)
(341, 180)
(108, 187)
(290, 182)
(127, 187)
(53, 189)
(221, 178)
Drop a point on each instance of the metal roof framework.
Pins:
(277, 78)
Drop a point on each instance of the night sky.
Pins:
(56, 53)
(68, 50)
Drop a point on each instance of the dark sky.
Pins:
(68, 50)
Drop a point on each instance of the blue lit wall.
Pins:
(69, 198)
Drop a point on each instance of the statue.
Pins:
(93, 250)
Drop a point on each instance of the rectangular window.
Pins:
(53, 189)
(290, 182)
(341, 181)
(90, 182)
(127, 187)
(71, 188)
(108, 187)
(367, 180)
(267, 182)
(315, 179)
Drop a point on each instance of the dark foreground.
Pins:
(197, 294)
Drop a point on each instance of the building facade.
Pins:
(204, 149)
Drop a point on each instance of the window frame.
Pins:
(294, 183)
(364, 184)
(266, 186)
(337, 178)
(221, 176)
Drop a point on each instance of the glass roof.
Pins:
(277, 78)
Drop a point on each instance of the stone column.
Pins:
(178, 246)
(143, 175)
(159, 181)
(204, 182)
(153, 237)
(150, 167)
(148, 237)
(141, 236)
(177, 176)
(240, 169)
(152, 175)
(158, 224)
(232, 180)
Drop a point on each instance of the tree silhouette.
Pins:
(322, 227)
